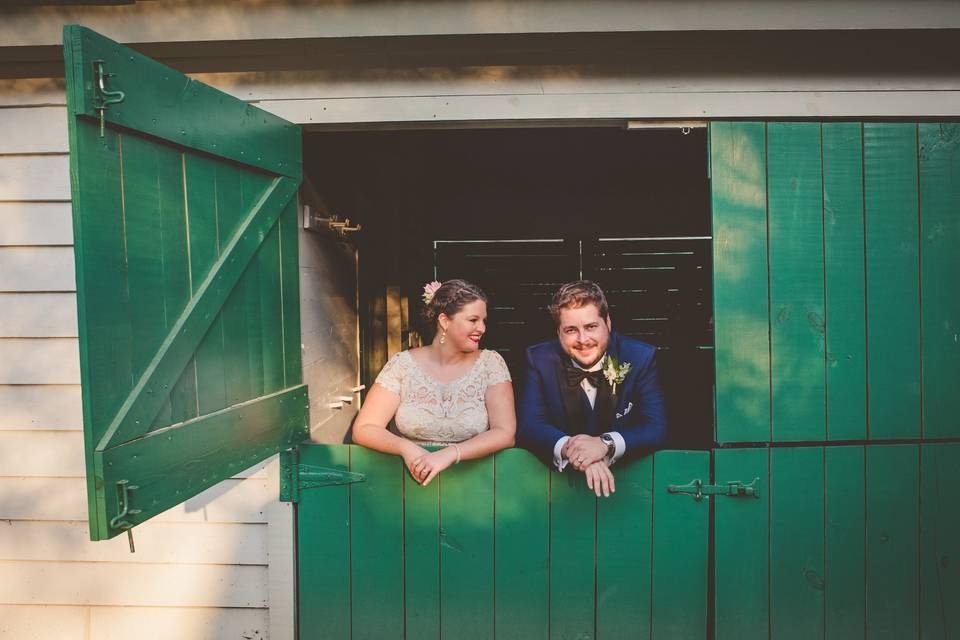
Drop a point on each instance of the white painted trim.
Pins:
(281, 562)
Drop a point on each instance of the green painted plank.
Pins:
(521, 543)
(741, 536)
(144, 249)
(200, 179)
(797, 316)
(290, 293)
(103, 302)
(466, 550)
(844, 281)
(679, 582)
(169, 466)
(176, 271)
(232, 202)
(421, 524)
(271, 310)
(573, 525)
(323, 550)
(740, 292)
(939, 541)
(166, 104)
(893, 299)
(376, 541)
(845, 553)
(624, 539)
(892, 541)
(796, 543)
(940, 270)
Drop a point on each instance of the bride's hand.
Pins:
(426, 467)
(411, 455)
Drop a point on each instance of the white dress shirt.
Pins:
(591, 393)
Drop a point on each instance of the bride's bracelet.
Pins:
(457, 447)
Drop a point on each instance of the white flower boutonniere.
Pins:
(615, 372)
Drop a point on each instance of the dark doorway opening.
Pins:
(520, 211)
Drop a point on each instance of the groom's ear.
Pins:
(609, 324)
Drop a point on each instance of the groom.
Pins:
(591, 396)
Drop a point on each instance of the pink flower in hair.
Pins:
(429, 290)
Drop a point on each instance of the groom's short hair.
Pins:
(574, 295)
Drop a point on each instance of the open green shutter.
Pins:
(185, 225)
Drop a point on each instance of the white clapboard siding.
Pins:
(35, 223)
(32, 621)
(39, 92)
(32, 315)
(37, 269)
(26, 178)
(33, 130)
(24, 406)
(115, 583)
(123, 623)
(66, 499)
(198, 623)
(157, 542)
(59, 454)
(39, 361)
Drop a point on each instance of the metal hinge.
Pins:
(734, 489)
(295, 476)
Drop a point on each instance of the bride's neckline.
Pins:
(429, 377)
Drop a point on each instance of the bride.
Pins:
(450, 393)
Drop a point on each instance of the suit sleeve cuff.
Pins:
(620, 447)
(558, 460)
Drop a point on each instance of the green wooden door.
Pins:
(184, 205)
(835, 260)
(501, 547)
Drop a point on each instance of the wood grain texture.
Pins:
(797, 314)
(940, 270)
(740, 290)
(893, 279)
(844, 281)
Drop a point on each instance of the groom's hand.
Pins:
(583, 450)
(600, 479)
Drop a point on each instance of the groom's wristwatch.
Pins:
(608, 440)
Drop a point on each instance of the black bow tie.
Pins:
(576, 375)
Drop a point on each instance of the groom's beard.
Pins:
(595, 360)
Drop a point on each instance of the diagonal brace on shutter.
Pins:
(148, 395)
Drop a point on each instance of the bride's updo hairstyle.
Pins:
(451, 297)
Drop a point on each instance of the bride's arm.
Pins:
(370, 427)
(503, 424)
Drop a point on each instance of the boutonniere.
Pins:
(615, 372)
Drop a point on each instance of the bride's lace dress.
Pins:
(434, 413)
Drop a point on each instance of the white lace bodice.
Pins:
(434, 413)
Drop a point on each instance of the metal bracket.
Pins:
(119, 521)
(295, 476)
(103, 97)
(734, 489)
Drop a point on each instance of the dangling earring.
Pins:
(443, 336)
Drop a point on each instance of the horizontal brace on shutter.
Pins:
(145, 400)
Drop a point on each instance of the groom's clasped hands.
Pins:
(588, 454)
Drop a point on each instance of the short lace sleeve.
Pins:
(496, 369)
(391, 376)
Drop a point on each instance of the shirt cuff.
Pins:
(620, 447)
(558, 460)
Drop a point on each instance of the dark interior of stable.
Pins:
(520, 211)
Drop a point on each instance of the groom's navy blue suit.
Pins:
(550, 408)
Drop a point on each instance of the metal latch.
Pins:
(296, 476)
(734, 489)
(103, 97)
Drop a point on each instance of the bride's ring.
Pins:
(579, 459)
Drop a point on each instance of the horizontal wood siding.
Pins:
(200, 570)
